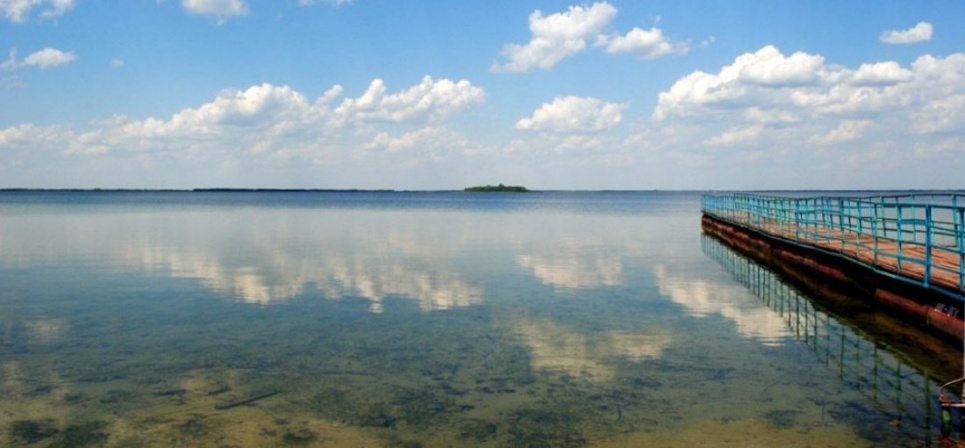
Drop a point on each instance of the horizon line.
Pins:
(389, 190)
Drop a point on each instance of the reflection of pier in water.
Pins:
(896, 386)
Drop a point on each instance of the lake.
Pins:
(411, 319)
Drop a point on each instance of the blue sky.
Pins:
(441, 95)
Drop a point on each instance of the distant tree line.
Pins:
(496, 188)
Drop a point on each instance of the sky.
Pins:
(431, 94)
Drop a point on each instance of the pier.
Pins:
(903, 252)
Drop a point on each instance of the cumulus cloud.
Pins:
(574, 114)
(275, 121)
(921, 32)
(769, 67)
(799, 119)
(803, 85)
(18, 11)
(432, 141)
(646, 44)
(881, 73)
(222, 9)
(556, 37)
(43, 59)
(26, 135)
(430, 100)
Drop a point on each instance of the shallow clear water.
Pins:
(421, 319)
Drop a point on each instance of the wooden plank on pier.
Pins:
(882, 253)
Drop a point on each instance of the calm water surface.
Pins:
(421, 319)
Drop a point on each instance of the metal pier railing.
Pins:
(918, 238)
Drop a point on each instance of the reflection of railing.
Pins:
(898, 388)
(918, 238)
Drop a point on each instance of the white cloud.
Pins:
(847, 131)
(647, 44)
(940, 115)
(275, 121)
(556, 37)
(771, 68)
(774, 120)
(433, 142)
(25, 135)
(117, 63)
(758, 114)
(735, 136)
(921, 32)
(222, 9)
(43, 59)
(258, 106)
(881, 73)
(561, 35)
(574, 114)
(18, 11)
(430, 100)
(49, 57)
(802, 85)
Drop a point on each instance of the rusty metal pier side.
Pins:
(905, 253)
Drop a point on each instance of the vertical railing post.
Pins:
(812, 221)
(860, 231)
(929, 228)
(900, 235)
(797, 220)
(841, 215)
(874, 231)
(827, 219)
(759, 211)
(960, 234)
(860, 206)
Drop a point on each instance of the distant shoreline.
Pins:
(361, 190)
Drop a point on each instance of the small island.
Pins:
(496, 188)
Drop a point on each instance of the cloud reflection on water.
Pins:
(47, 331)
(259, 255)
(338, 258)
(592, 356)
(702, 297)
(575, 269)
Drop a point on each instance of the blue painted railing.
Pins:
(919, 238)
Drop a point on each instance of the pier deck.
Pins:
(916, 238)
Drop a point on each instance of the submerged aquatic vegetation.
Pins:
(32, 431)
(545, 428)
(83, 434)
